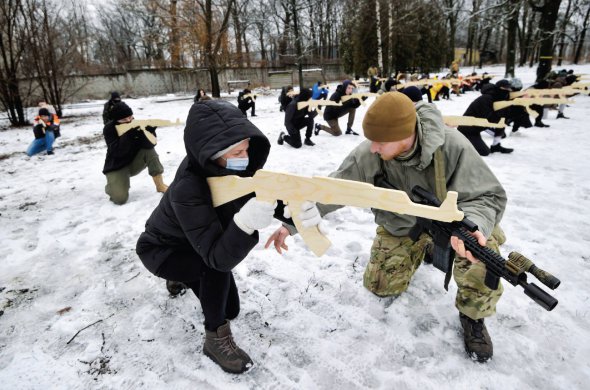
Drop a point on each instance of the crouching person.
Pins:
(46, 130)
(188, 240)
(408, 146)
(128, 155)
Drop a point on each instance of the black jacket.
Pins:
(245, 104)
(483, 107)
(335, 112)
(294, 117)
(122, 150)
(185, 219)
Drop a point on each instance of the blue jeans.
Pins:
(40, 144)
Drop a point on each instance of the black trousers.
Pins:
(294, 137)
(473, 134)
(246, 106)
(216, 290)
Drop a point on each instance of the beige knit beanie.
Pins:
(392, 117)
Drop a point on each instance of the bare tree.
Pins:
(216, 24)
(581, 40)
(512, 28)
(549, 12)
(12, 34)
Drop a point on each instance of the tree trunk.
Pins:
(298, 50)
(562, 31)
(582, 37)
(174, 37)
(238, 36)
(11, 32)
(379, 42)
(511, 40)
(549, 13)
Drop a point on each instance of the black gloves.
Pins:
(355, 103)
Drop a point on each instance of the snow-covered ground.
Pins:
(68, 261)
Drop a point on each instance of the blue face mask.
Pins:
(237, 164)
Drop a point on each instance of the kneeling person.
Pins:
(128, 155)
(408, 146)
(296, 119)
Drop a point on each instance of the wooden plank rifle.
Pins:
(294, 190)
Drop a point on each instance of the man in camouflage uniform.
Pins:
(403, 140)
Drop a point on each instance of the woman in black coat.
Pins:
(188, 240)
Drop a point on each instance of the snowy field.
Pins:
(68, 261)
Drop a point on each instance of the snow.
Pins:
(307, 322)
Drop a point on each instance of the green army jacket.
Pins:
(481, 195)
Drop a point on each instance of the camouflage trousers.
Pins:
(394, 260)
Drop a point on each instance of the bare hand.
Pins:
(278, 238)
(459, 246)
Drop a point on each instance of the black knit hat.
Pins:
(504, 84)
(120, 111)
(413, 93)
(115, 96)
(44, 111)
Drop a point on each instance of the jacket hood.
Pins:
(213, 125)
(430, 130)
(495, 92)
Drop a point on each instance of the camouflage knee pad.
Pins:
(474, 298)
(393, 262)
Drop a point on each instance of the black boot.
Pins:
(515, 128)
(280, 141)
(561, 116)
(500, 148)
(350, 131)
(317, 129)
(175, 288)
(539, 123)
(308, 142)
(478, 343)
(220, 347)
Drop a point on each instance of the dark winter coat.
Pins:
(185, 219)
(294, 118)
(245, 104)
(335, 112)
(106, 111)
(53, 125)
(122, 150)
(285, 99)
(483, 107)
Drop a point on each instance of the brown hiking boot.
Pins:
(220, 347)
(478, 343)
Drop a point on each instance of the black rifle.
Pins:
(512, 270)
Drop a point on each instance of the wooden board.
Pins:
(561, 92)
(294, 190)
(527, 102)
(455, 121)
(359, 96)
(142, 123)
(313, 104)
